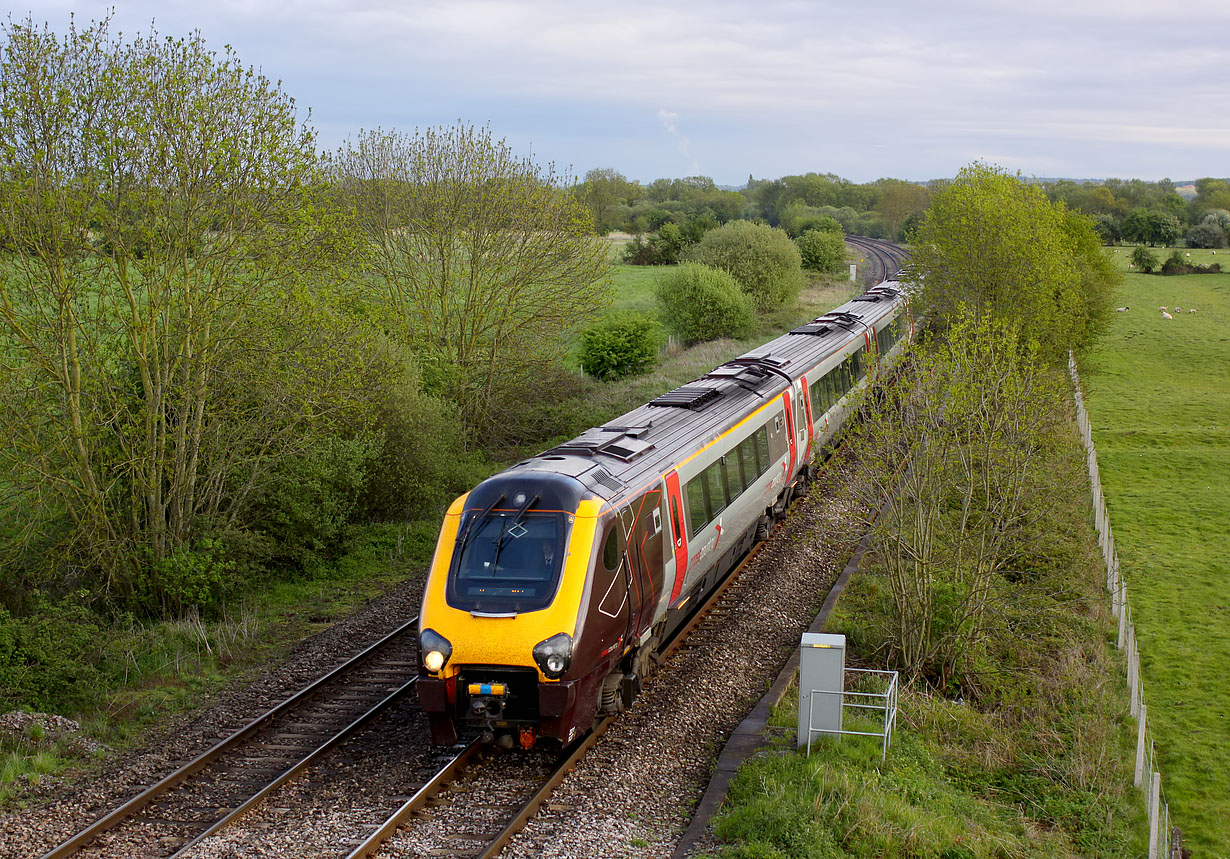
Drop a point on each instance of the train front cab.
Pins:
(500, 611)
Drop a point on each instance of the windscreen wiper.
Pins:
(503, 538)
(469, 530)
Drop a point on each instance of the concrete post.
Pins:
(1155, 802)
(1133, 673)
(1139, 776)
(1123, 615)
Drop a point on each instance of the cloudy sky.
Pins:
(728, 88)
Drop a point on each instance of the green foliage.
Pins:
(1207, 234)
(700, 303)
(798, 218)
(1144, 259)
(46, 654)
(763, 260)
(822, 251)
(483, 261)
(619, 346)
(1177, 264)
(662, 248)
(990, 240)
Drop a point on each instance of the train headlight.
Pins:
(554, 655)
(435, 650)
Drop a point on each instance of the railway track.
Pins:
(884, 258)
(217, 788)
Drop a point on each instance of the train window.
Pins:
(762, 450)
(747, 455)
(698, 514)
(610, 549)
(675, 519)
(734, 474)
(716, 489)
(856, 361)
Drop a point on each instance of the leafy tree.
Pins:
(603, 191)
(1151, 227)
(1206, 235)
(898, 200)
(483, 258)
(1219, 217)
(822, 251)
(1107, 227)
(700, 303)
(763, 260)
(994, 243)
(1144, 259)
(160, 350)
(975, 415)
(619, 346)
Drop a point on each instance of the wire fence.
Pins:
(1164, 839)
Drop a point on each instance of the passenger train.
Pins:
(555, 582)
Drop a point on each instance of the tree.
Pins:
(959, 446)
(484, 259)
(164, 205)
(996, 244)
(622, 345)
(603, 191)
(1206, 235)
(898, 200)
(764, 261)
(1151, 227)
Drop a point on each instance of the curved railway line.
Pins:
(884, 258)
(471, 807)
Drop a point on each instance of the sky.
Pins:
(910, 89)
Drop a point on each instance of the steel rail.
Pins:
(255, 799)
(372, 844)
(174, 779)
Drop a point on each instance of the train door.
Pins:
(676, 562)
(788, 404)
(802, 418)
(645, 545)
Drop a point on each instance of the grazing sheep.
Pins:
(1186, 255)
(1178, 309)
(1166, 315)
(1163, 309)
(1121, 310)
(1191, 310)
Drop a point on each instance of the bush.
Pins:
(822, 251)
(700, 303)
(1144, 259)
(1178, 264)
(763, 260)
(1206, 235)
(619, 346)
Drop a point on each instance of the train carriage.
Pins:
(555, 581)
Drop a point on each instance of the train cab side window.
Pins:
(610, 549)
(762, 449)
(698, 515)
(856, 361)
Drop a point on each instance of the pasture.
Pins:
(1158, 396)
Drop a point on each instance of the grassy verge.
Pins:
(1158, 397)
(1039, 764)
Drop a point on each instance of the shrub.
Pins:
(700, 303)
(1144, 259)
(1178, 264)
(822, 251)
(619, 346)
(763, 260)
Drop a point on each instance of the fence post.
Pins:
(1155, 797)
(1139, 777)
(1133, 672)
(1123, 614)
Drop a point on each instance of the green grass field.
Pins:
(1158, 393)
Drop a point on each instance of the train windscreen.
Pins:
(507, 562)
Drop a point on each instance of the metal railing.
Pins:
(1164, 840)
(887, 705)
